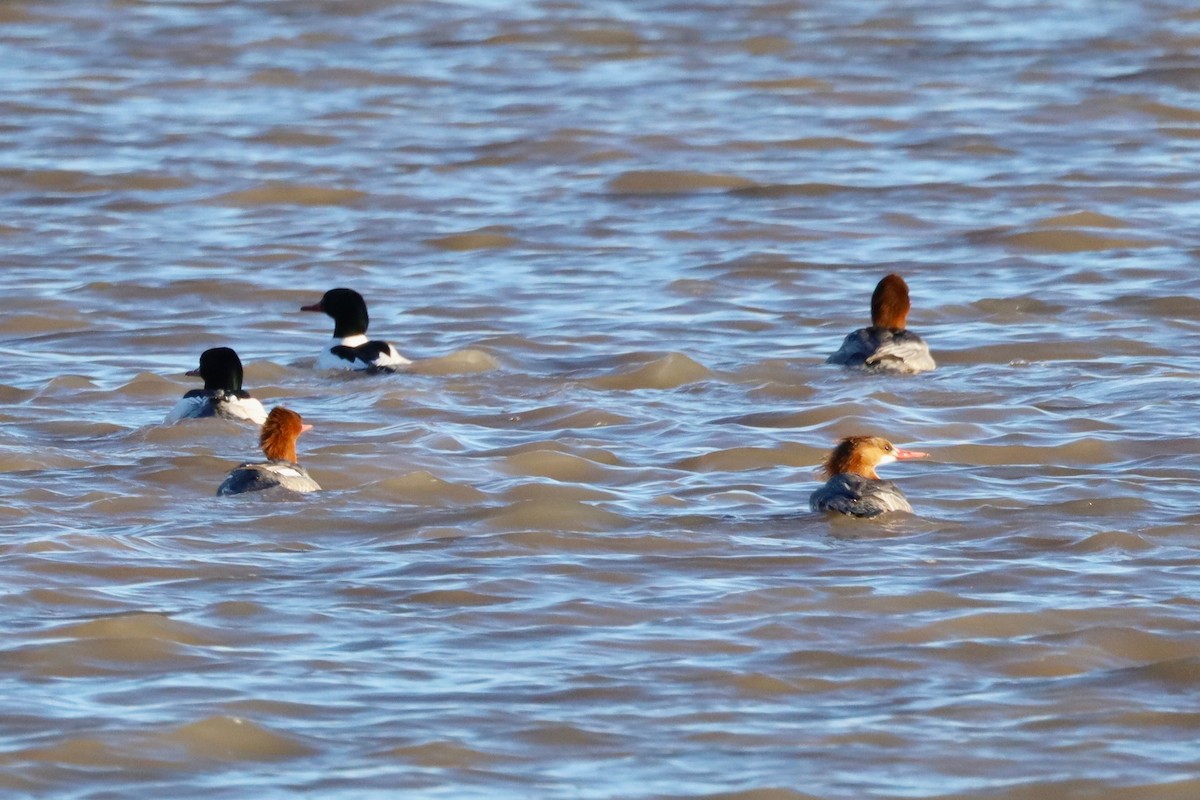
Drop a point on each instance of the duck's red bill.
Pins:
(903, 454)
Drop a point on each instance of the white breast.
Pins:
(186, 408)
(243, 408)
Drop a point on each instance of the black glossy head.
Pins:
(221, 369)
(348, 309)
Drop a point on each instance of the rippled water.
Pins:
(570, 555)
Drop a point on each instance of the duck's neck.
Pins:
(352, 323)
(848, 457)
(278, 446)
(855, 464)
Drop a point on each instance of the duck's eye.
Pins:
(887, 448)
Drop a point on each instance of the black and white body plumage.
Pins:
(854, 488)
(280, 471)
(350, 348)
(858, 496)
(222, 395)
(886, 346)
(884, 349)
(255, 477)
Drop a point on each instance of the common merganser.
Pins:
(350, 348)
(278, 442)
(886, 346)
(853, 487)
(222, 395)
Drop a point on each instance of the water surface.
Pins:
(569, 555)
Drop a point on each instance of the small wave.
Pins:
(668, 372)
(564, 467)
(233, 739)
(457, 598)
(11, 395)
(553, 418)
(1171, 308)
(290, 194)
(1112, 540)
(115, 645)
(482, 239)
(459, 363)
(762, 793)
(1165, 111)
(1009, 307)
(63, 180)
(562, 735)
(790, 84)
(970, 144)
(1183, 673)
(150, 385)
(766, 45)
(555, 513)
(445, 755)
(1063, 240)
(1179, 77)
(425, 488)
(1082, 219)
(811, 189)
(335, 77)
(286, 137)
(737, 459)
(81, 752)
(142, 625)
(656, 181)
(1086, 451)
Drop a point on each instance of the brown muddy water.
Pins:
(569, 555)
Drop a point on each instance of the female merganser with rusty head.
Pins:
(853, 487)
(278, 441)
(350, 348)
(222, 395)
(886, 346)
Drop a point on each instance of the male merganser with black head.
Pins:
(350, 348)
(853, 487)
(886, 346)
(278, 442)
(222, 395)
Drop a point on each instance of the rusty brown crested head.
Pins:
(859, 455)
(890, 304)
(279, 434)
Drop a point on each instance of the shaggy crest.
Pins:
(279, 434)
(890, 304)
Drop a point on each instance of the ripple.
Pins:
(460, 363)
(224, 738)
(128, 643)
(1070, 241)
(424, 488)
(447, 755)
(291, 194)
(481, 239)
(567, 552)
(667, 372)
(669, 182)
(557, 514)
(1083, 219)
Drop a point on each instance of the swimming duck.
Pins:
(853, 487)
(886, 346)
(222, 395)
(278, 442)
(350, 348)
